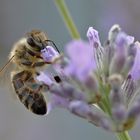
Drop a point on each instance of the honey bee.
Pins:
(26, 56)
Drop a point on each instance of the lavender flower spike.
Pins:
(99, 84)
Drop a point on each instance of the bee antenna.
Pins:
(53, 44)
(6, 64)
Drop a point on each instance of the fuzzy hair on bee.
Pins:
(26, 56)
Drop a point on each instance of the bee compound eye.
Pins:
(30, 41)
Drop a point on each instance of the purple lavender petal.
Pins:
(93, 37)
(49, 54)
(44, 78)
(135, 71)
(81, 59)
(79, 108)
(130, 39)
(124, 39)
(121, 40)
(98, 50)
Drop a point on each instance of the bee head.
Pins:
(36, 40)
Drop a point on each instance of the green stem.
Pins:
(123, 136)
(60, 4)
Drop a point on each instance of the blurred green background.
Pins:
(20, 16)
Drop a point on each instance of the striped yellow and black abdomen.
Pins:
(29, 92)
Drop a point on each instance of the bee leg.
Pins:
(39, 64)
(35, 64)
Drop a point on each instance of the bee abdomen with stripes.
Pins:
(29, 92)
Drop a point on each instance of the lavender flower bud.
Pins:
(118, 106)
(56, 89)
(57, 101)
(115, 29)
(93, 95)
(130, 59)
(117, 64)
(93, 37)
(120, 54)
(91, 113)
(79, 108)
(94, 41)
(92, 83)
(107, 57)
(121, 40)
(116, 98)
(115, 81)
(67, 91)
(72, 92)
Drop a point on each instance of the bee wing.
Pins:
(5, 77)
